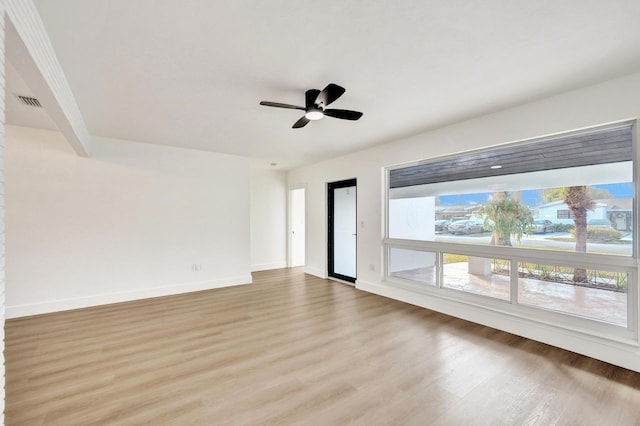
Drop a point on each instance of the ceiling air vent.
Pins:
(30, 101)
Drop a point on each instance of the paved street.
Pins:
(541, 240)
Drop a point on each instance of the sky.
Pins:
(531, 198)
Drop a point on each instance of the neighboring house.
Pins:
(617, 210)
(456, 212)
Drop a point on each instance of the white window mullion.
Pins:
(514, 281)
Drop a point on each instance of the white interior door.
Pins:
(298, 226)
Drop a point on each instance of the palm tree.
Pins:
(509, 217)
(579, 202)
(550, 195)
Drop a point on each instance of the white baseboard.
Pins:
(126, 296)
(315, 272)
(268, 266)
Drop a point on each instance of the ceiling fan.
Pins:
(315, 106)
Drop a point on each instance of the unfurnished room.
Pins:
(304, 213)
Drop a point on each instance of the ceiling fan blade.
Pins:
(301, 123)
(329, 95)
(310, 97)
(345, 114)
(279, 105)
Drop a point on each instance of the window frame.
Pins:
(566, 214)
(613, 263)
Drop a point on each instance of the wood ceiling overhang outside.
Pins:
(603, 146)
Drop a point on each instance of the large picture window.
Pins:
(544, 225)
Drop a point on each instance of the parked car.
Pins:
(542, 226)
(599, 223)
(441, 225)
(488, 225)
(465, 227)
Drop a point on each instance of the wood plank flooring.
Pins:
(295, 349)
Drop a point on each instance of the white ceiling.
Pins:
(19, 113)
(191, 73)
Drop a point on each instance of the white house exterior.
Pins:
(616, 210)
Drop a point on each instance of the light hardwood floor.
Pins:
(294, 349)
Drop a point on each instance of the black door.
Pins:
(342, 227)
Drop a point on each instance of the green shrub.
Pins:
(564, 227)
(603, 234)
(595, 233)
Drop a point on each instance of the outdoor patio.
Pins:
(594, 303)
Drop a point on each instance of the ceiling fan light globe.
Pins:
(314, 115)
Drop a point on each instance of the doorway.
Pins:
(342, 226)
(297, 227)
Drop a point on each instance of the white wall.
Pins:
(128, 223)
(2, 221)
(268, 219)
(412, 218)
(603, 103)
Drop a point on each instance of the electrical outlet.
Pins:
(196, 267)
(372, 267)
